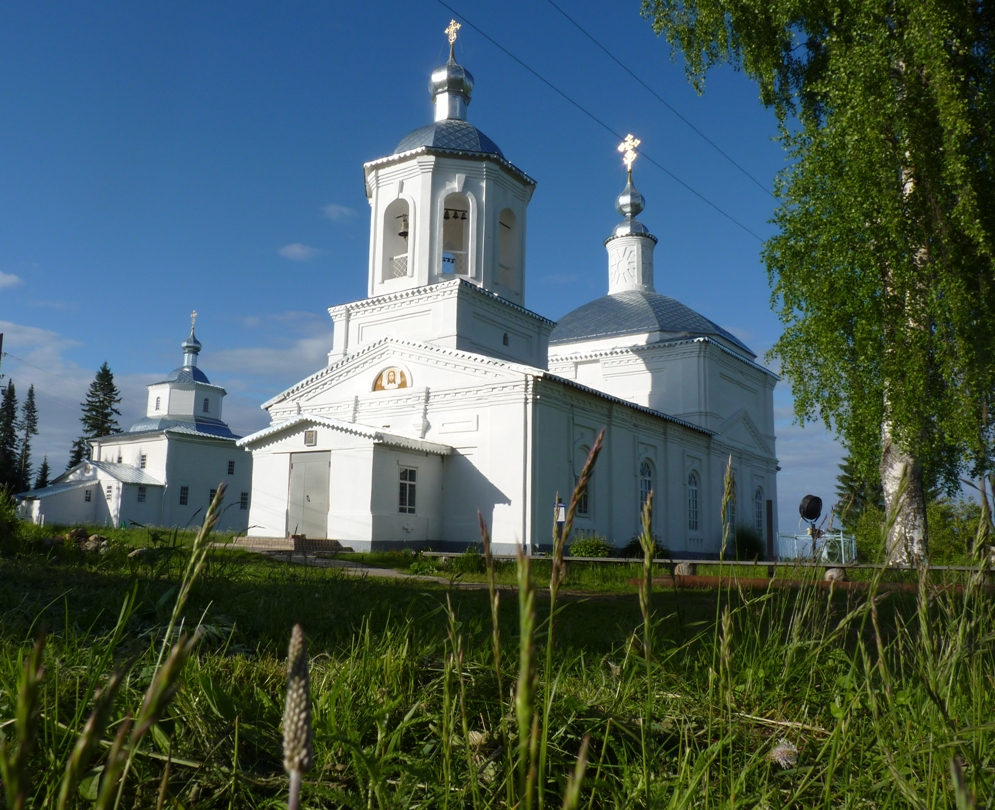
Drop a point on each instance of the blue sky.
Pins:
(159, 158)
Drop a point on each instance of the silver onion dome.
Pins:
(451, 85)
(191, 348)
(630, 203)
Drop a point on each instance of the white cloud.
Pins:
(9, 280)
(338, 213)
(297, 252)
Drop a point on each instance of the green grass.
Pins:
(878, 696)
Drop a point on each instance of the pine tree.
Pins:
(27, 428)
(855, 492)
(98, 413)
(42, 480)
(8, 437)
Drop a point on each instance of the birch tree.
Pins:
(882, 270)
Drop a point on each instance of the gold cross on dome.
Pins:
(628, 148)
(193, 319)
(451, 29)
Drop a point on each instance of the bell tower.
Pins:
(447, 204)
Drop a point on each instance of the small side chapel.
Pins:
(445, 395)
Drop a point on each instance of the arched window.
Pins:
(758, 510)
(207, 405)
(692, 502)
(395, 240)
(508, 264)
(158, 401)
(645, 482)
(456, 235)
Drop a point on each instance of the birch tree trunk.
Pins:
(906, 542)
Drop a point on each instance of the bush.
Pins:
(952, 527)
(470, 561)
(590, 545)
(870, 543)
(9, 522)
(634, 549)
(749, 544)
(422, 566)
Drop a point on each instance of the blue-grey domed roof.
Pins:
(459, 136)
(187, 374)
(634, 312)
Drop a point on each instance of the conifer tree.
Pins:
(27, 428)
(98, 413)
(43, 474)
(8, 436)
(855, 492)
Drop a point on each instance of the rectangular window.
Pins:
(231, 468)
(120, 458)
(406, 497)
(213, 493)
(184, 496)
(110, 491)
(87, 495)
(310, 438)
(207, 405)
(142, 459)
(141, 494)
(243, 502)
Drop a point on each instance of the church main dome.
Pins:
(635, 312)
(452, 134)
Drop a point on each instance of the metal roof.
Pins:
(126, 474)
(198, 426)
(634, 312)
(185, 374)
(452, 134)
(55, 489)
(364, 431)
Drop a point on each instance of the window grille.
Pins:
(645, 482)
(142, 460)
(158, 401)
(758, 509)
(141, 494)
(310, 438)
(406, 496)
(692, 502)
(184, 496)
(207, 405)
(397, 267)
(211, 498)
(231, 468)
(583, 504)
(243, 502)
(110, 491)
(87, 495)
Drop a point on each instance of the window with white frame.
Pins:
(142, 461)
(158, 402)
(231, 468)
(243, 502)
(110, 491)
(207, 405)
(406, 494)
(693, 502)
(88, 495)
(645, 482)
(184, 496)
(141, 494)
(758, 510)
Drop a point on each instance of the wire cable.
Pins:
(597, 120)
(662, 100)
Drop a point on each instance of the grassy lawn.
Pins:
(791, 698)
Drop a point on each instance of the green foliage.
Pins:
(749, 544)
(9, 524)
(953, 527)
(28, 427)
(99, 412)
(423, 566)
(43, 474)
(590, 544)
(881, 268)
(634, 549)
(856, 492)
(8, 437)
(470, 561)
(867, 533)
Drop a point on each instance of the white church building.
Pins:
(163, 471)
(445, 395)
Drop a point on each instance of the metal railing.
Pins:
(397, 266)
(456, 261)
(829, 547)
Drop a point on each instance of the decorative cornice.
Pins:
(434, 150)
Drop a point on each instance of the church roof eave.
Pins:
(363, 431)
(389, 160)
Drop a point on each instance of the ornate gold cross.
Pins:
(451, 29)
(628, 148)
(193, 319)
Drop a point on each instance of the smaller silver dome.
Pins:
(452, 77)
(630, 202)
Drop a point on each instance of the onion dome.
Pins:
(630, 203)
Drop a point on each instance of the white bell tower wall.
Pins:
(437, 217)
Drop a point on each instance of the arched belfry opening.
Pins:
(396, 239)
(456, 221)
(509, 262)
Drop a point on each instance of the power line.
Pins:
(662, 100)
(597, 120)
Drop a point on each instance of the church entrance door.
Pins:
(307, 508)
